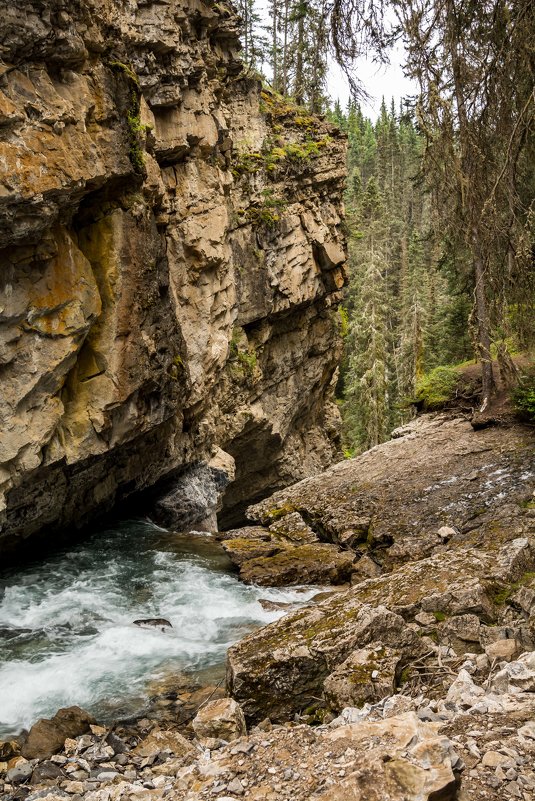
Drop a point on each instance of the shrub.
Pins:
(436, 388)
(524, 396)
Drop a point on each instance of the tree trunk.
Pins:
(484, 340)
(299, 88)
(275, 54)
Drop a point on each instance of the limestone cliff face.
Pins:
(170, 267)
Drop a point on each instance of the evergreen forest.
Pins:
(440, 193)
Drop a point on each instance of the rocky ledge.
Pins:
(440, 526)
(438, 488)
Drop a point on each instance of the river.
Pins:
(66, 623)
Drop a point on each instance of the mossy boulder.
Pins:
(316, 563)
(367, 675)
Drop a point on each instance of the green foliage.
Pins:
(524, 396)
(137, 133)
(437, 387)
(125, 69)
(344, 321)
(407, 311)
(268, 212)
(280, 156)
(136, 130)
(242, 355)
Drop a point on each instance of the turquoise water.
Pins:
(66, 624)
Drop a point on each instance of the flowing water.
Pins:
(66, 624)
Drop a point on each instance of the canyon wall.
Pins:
(171, 264)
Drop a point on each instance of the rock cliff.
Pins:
(171, 259)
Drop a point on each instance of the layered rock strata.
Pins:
(171, 262)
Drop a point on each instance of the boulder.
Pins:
(222, 719)
(516, 677)
(368, 674)
(316, 563)
(47, 736)
(161, 740)
(405, 759)
(277, 670)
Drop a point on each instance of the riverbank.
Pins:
(66, 622)
(414, 683)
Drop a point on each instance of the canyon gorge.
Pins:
(200, 597)
(172, 260)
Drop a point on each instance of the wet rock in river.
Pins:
(47, 736)
(153, 623)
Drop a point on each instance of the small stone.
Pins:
(513, 788)
(235, 786)
(79, 775)
(511, 774)
(242, 748)
(73, 787)
(46, 771)
(518, 676)
(20, 772)
(118, 745)
(98, 731)
(491, 759)
(221, 719)
(107, 775)
(428, 715)
(528, 730)
(425, 619)
(84, 742)
(58, 759)
(482, 663)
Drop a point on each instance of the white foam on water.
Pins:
(66, 626)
